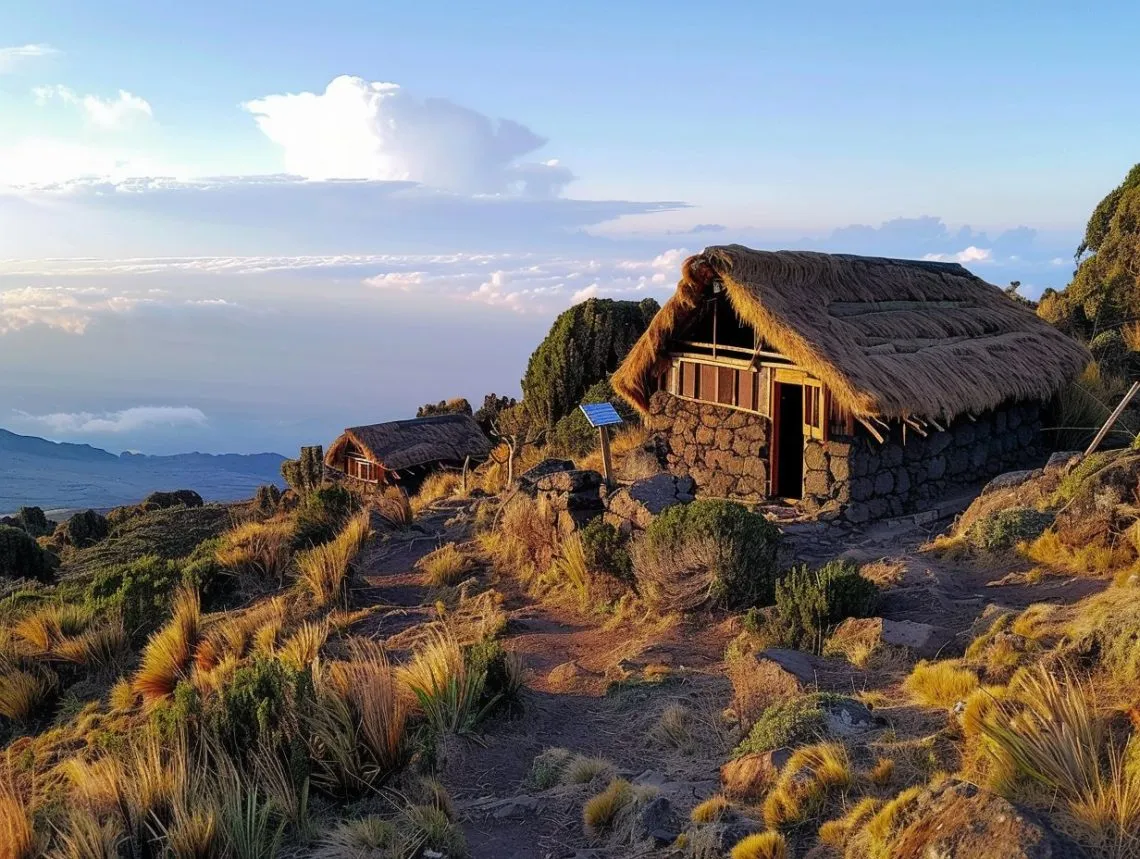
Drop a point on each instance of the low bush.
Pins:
(810, 603)
(33, 520)
(1005, 528)
(177, 498)
(322, 514)
(21, 557)
(707, 553)
(83, 529)
(142, 591)
(503, 673)
(787, 723)
(252, 706)
(605, 550)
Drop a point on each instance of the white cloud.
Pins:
(969, 255)
(107, 113)
(401, 280)
(13, 56)
(69, 309)
(361, 130)
(127, 420)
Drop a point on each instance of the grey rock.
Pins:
(847, 718)
(658, 821)
(1011, 480)
(795, 662)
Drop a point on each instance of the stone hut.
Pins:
(856, 384)
(404, 452)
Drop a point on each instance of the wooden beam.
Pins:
(1113, 418)
(871, 429)
(914, 425)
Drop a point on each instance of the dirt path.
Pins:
(586, 679)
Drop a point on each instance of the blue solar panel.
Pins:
(600, 414)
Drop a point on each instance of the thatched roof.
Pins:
(890, 338)
(397, 445)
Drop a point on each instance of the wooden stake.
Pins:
(607, 466)
(1113, 418)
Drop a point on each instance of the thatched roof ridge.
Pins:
(890, 338)
(403, 444)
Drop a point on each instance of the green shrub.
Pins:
(252, 706)
(573, 435)
(177, 498)
(306, 473)
(788, 723)
(322, 515)
(142, 590)
(201, 571)
(267, 498)
(810, 603)
(83, 529)
(33, 520)
(1005, 528)
(707, 552)
(21, 557)
(605, 550)
(503, 677)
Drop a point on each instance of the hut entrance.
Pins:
(787, 466)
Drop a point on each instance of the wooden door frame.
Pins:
(779, 379)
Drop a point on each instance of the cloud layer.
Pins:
(107, 113)
(125, 421)
(361, 130)
(13, 56)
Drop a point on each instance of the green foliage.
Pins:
(810, 603)
(573, 435)
(322, 515)
(1004, 528)
(503, 681)
(307, 473)
(252, 706)
(788, 723)
(21, 556)
(585, 344)
(454, 406)
(33, 520)
(178, 498)
(488, 413)
(267, 498)
(142, 590)
(83, 529)
(740, 548)
(1105, 290)
(605, 550)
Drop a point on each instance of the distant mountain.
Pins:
(56, 475)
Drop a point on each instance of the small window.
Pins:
(815, 419)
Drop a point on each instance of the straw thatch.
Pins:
(890, 338)
(398, 445)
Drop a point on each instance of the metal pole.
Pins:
(1113, 418)
(607, 466)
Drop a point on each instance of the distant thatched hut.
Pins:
(854, 383)
(405, 451)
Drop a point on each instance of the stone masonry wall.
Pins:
(867, 480)
(724, 451)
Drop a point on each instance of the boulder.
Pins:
(633, 507)
(1011, 480)
(872, 631)
(750, 776)
(526, 482)
(569, 481)
(958, 820)
(658, 821)
(1062, 460)
(797, 665)
(848, 718)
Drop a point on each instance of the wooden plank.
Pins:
(1113, 418)
(689, 379)
(607, 465)
(726, 386)
(706, 387)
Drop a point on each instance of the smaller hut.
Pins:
(405, 452)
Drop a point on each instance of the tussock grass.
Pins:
(600, 813)
(301, 649)
(89, 838)
(323, 570)
(103, 647)
(761, 845)
(395, 508)
(441, 484)
(837, 833)
(571, 569)
(17, 832)
(258, 551)
(446, 566)
(674, 728)
(583, 770)
(882, 772)
(429, 827)
(547, 767)
(711, 810)
(47, 627)
(167, 657)
(366, 837)
(446, 689)
(940, 684)
(804, 783)
(24, 695)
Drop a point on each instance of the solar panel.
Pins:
(600, 414)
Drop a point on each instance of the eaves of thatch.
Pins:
(890, 338)
(398, 445)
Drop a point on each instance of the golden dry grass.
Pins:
(261, 551)
(323, 570)
(24, 694)
(167, 657)
(446, 566)
(1051, 551)
(711, 810)
(17, 832)
(104, 647)
(801, 789)
(761, 845)
(940, 684)
(441, 484)
(395, 508)
(44, 629)
(301, 649)
(837, 833)
(600, 813)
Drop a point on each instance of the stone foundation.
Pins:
(724, 451)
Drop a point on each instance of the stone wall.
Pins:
(724, 451)
(867, 480)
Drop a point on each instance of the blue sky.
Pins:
(631, 133)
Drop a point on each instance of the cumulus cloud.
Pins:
(107, 113)
(969, 255)
(69, 309)
(361, 130)
(127, 420)
(13, 56)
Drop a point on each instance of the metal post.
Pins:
(607, 466)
